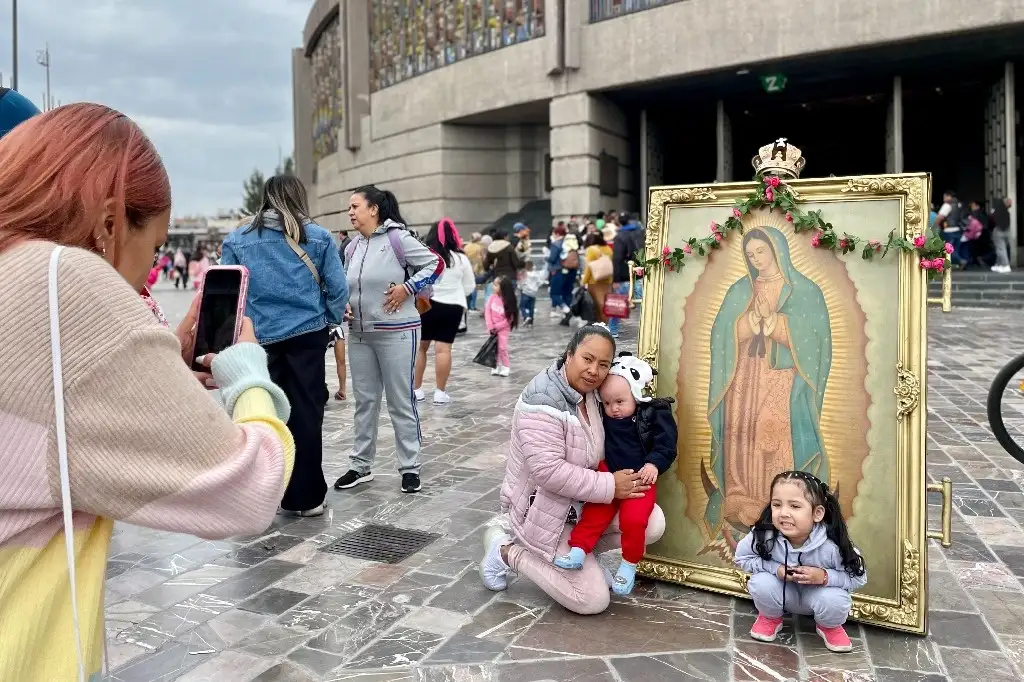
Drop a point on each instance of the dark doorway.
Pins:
(839, 135)
(689, 147)
(944, 130)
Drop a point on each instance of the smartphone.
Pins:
(221, 309)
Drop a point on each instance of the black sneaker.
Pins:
(352, 479)
(411, 483)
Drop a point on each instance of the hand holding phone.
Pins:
(221, 315)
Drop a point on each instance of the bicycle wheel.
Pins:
(994, 407)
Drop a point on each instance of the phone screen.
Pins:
(218, 312)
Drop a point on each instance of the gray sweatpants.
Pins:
(381, 363)
(1001, 244)
(829, 605)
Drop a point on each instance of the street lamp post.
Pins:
(14, 44)
(43, 59)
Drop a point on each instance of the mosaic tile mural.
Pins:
(409, 37)
(328, 91)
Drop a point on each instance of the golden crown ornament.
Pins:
(780, 159)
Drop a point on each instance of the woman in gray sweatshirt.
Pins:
(386, 268)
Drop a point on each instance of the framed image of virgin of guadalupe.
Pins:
(786, 318)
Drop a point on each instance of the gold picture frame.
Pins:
(892, 375)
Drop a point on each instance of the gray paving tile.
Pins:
(428, 619)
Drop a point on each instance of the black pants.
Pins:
(182, 277)
(297, 366)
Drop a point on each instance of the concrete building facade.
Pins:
(473, 108)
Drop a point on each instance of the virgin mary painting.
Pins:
(771, 350)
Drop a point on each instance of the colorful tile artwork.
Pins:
(328, 94)
(409, 37)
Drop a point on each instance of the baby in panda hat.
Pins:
(639, 435)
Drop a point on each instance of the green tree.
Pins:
(252, 192)
(287, 167)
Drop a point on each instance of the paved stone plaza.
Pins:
(274, 607)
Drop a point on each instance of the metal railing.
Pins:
(412, 37)
(609, 9)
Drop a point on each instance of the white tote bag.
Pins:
(62, 458)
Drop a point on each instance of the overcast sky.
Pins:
(208, 80)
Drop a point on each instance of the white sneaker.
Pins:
(503, 371)
(496, 371)
(493, 570)
(420, 395)
(441, 398)
(557, 314)
(565, 309)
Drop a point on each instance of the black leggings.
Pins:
(297, 366)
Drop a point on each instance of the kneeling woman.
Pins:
(557, 444)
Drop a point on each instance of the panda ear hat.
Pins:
(636, 372)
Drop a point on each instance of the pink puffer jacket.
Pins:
(552, 455)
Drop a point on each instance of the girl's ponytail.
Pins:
(835, 528)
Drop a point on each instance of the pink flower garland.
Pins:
(772, 197)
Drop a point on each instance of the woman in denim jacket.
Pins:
(291, 312)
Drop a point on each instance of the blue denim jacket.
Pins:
(284, 300)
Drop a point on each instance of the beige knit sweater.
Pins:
(146, 444)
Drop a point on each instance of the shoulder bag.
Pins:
(62, 459)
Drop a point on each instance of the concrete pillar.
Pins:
(644, 163)
(894, 137)
(302, 119)
(723, 135)
(584, 129)
(1010, 118)
(356, 62)
(554, 36)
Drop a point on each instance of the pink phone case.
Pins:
(243, 289)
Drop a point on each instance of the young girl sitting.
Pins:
(639, 434)
(802, 560)
(502, 316)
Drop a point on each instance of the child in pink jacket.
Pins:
(501, 312)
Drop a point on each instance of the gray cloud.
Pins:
(208, 80)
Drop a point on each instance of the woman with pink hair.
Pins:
(87, 441)
(447, 308)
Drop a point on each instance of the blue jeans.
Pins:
(953, 238)
(623, 288)
(555, 288)
(527, 304)
(568, 285)
(471, 300)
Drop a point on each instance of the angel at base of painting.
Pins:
(771, 349)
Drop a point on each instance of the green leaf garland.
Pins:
(774, 194)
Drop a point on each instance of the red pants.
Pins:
(633, 516)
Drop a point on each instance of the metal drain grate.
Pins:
(385, 544)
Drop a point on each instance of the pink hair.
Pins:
(443, 225)
(58, 170)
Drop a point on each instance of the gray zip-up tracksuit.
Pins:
(382, 347)
(829, 604)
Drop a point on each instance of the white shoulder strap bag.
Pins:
(62, 458)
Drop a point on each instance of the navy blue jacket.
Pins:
(648, 437)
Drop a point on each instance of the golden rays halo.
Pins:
(843, 421)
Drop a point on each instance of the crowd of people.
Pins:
(95, 389)
(979, 237)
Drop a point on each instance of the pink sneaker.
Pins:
(835, 638)
(766, 629)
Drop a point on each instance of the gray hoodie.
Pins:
(374, 267)
(817, 551)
